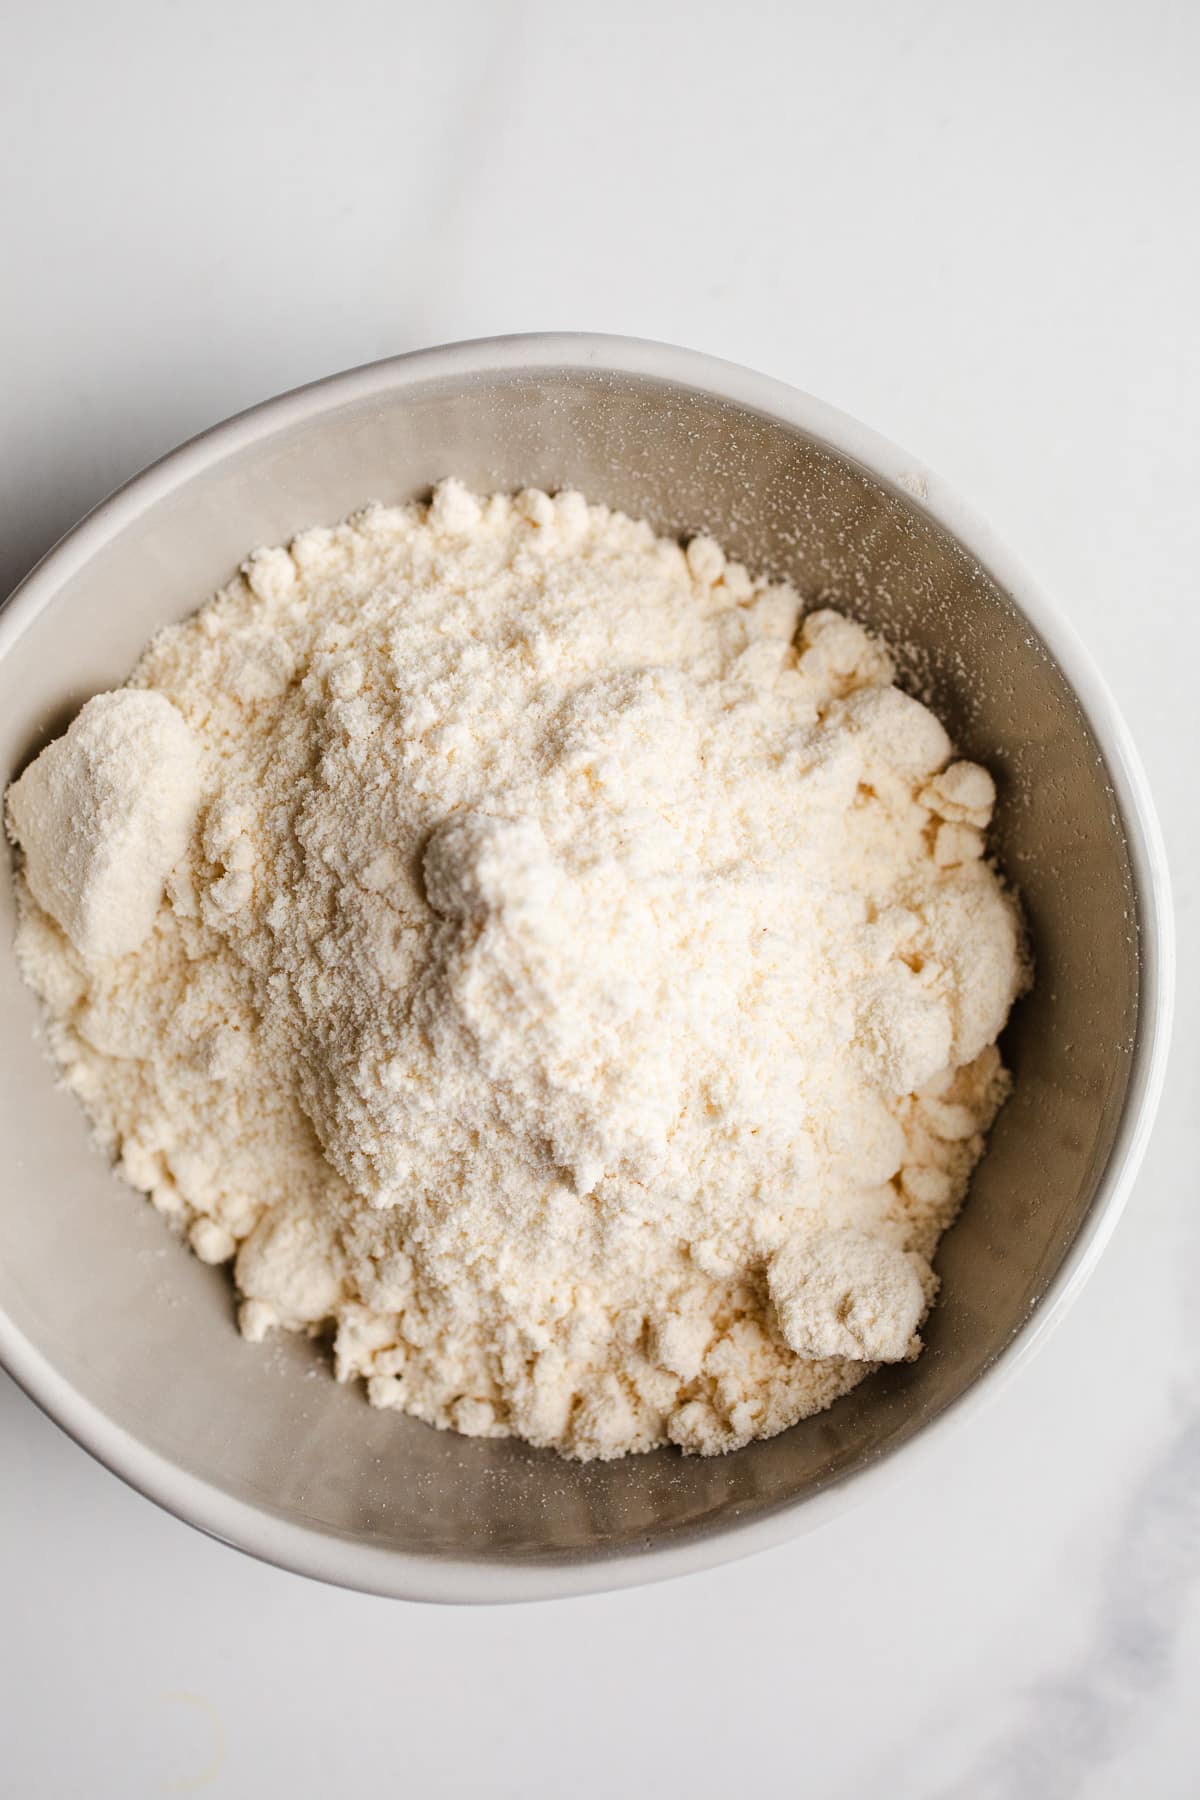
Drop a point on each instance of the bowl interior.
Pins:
(127, 1316)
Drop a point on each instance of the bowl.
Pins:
(128, 1341)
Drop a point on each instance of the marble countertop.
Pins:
(970, 225)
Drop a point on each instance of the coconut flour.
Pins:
(538, 954)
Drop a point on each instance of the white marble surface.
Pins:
(971, 226)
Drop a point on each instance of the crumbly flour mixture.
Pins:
(539, 955)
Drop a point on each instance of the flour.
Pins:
(104, 815)
(535, 951)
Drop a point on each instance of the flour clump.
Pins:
(549, 958)
(104, 814)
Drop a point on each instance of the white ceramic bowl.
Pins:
(128, 1341)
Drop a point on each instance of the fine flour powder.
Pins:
(538, 954)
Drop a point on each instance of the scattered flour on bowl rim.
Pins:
(540, 954)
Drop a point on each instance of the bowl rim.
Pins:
(351, 1563)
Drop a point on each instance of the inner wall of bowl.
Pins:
(123, 1311)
